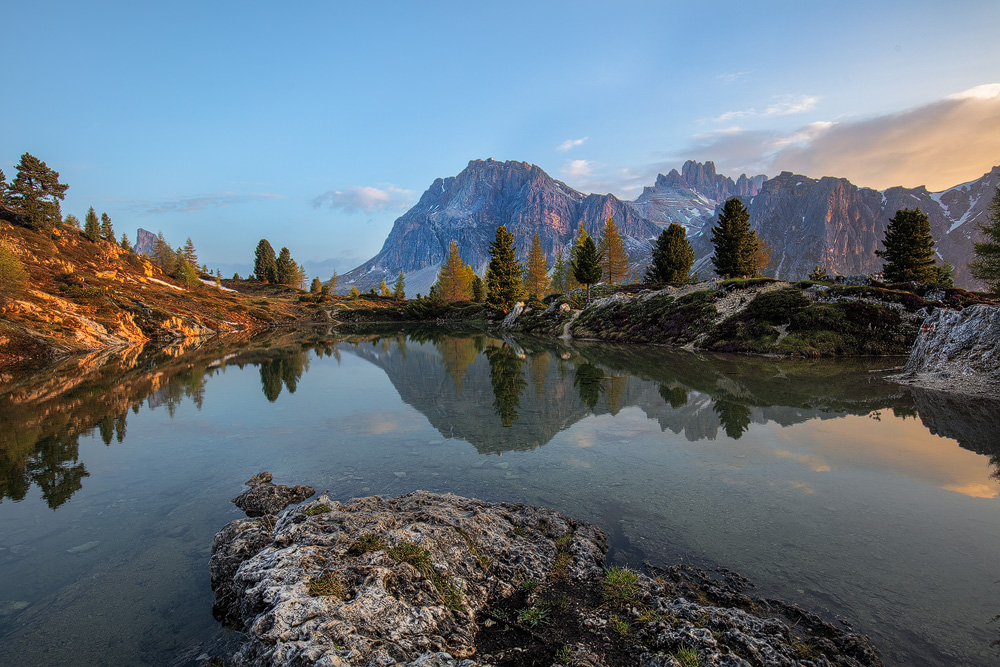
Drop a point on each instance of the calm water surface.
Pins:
(818, 480)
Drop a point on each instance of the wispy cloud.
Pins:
(939, 145)
(365, 198)
(785, 105)
(730, 77)
(198, 202)
(577, 169)
(570, 143)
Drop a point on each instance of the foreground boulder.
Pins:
(957, 351)
(264, 497)
(431, 579)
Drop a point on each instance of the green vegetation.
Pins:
(12, 273)
(265, 268)
(737, 249)
(453, 282)
(91, 226)
(533, 616)
(619, 587)
(33, 196)
(986, 265)
(420, 558)
(688, 657)
(586, 262)
(503, 275)
(366, 543)
(321, 508)
(398, 288)
(672, 257)
(909, 248)
(327, 585)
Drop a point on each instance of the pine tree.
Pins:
(735, 245)
(264, 263)
(91, 227)
(124, 243)
(586, 263)
(399, 288)
(672, 257)
(189, 254)
(35, 193)
(909, 248)
(536, 274)
(317, 286)
(611, 250)
(383, 289)
(503, 274)
(986, 265)
(107, 231)
(285, 268)
(453, 283)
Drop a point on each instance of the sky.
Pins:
(316, 124)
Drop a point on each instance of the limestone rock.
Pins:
(958, 351)
(263, 497)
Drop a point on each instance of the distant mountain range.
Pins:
(828, 222)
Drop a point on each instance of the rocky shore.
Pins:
(430, 579)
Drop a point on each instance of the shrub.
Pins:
(12, 272)
(777, 307)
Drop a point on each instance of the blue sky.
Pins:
(317, 124)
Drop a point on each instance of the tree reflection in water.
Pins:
(507, 378)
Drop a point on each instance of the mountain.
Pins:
(145, 242)
(828, 222)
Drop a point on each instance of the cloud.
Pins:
(577, 169)
(570, 143)
(199, 202)
(730, 77)
(786, 105)
(940, 144)
(365, 198)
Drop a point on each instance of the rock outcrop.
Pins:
(958, 351)
(264, 497)
(432, 579)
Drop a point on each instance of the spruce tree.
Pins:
(72, 221)
(503, 275)
(163, 255)
(536, 274)
(107, 231)
(478, 290)
(586, 263)
(909, 248)
(453, 281)
(286, 270)
(672, 257)
(736, 246)
(91, 226)
(264, 263)
(124, 243)
(986, 265)
(611, 249)
(399, 288)
(35, 193)
(189, 253)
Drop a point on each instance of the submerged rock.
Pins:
(263, 497)
(957, 351)
(435, 579)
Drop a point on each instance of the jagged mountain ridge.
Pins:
(828, 222)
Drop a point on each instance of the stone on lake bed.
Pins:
(79, 549)
(9, 607)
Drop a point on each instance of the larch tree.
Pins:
(35, 193)
(264, 263)
(453, 281)
(909, 248)
(317, 286)
(586, 262)
(503, 274)
(672, 257)
(383, 289)
(536, 273)
(91, 226)
(986, 265)
(399, 288)
(611, 250)
(333, 282)
(107, 230)
(736, 246)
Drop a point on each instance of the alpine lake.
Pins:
(822, 482)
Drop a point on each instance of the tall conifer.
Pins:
(503, 275)
(611, 249)
(909, 248)
(536, 274)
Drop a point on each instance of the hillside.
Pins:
(75, 295)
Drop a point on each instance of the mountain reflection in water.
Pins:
(819, 478)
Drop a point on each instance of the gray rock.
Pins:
(377, 581)
(263, 497)
(957, 351)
